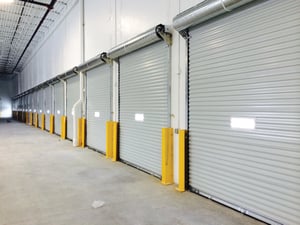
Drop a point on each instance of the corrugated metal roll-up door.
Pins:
(72, 98)
(98, 106)
(47, 109)
(58, 106)
(244, 110)
(144, 105)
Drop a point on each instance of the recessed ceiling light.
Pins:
(6, 1)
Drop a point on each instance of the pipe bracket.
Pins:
(161, 32)
(105, 58)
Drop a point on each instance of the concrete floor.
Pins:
(45, 181)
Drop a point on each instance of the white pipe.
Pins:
(74, 111)
(205, 11)
(82, 30)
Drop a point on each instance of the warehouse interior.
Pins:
(150, 112)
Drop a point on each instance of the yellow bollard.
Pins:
(81, 132)
(51, 124)
(63, 127)
(181, 161)
(112, 140)
(36, 120)
(43, 121)
(167, 156)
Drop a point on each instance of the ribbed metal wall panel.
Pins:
(72, 98)
(144, 89)
(58, 106)
(246, 65)
(98, 106)
(48, 104)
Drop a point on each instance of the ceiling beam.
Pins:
(38, 3)
(51, 5)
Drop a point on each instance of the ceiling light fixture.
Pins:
(6, 1)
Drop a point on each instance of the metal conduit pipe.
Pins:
(205, 11)
(148, 37)
(91, 63)
(157, 33)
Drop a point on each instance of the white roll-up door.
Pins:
(72, 98)
(48, 104)
(144, 106)
(98, 106)
(58, 106)
(244, 110)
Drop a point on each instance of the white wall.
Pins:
(60, 52)
(108, 23)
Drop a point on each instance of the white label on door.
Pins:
(58, 112)
(97, 114)
(242, 123)
(48, 111)
(139, 117)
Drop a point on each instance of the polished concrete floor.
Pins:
(45, 181)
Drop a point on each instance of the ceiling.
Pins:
(22, 27)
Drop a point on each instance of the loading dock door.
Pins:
(144, 106)
(244, 110)
(98, 106)
(72, 98)
(58, 106)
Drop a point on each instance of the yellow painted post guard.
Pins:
(181, 161)
(43, 117)
(51, 124)
(167, 156)
(26, 117)
(63, 127)
(36, 120)
(30, 119)
(112, 140)
(81, 132)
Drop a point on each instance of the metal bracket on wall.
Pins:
(105, 58)
(162, 33)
